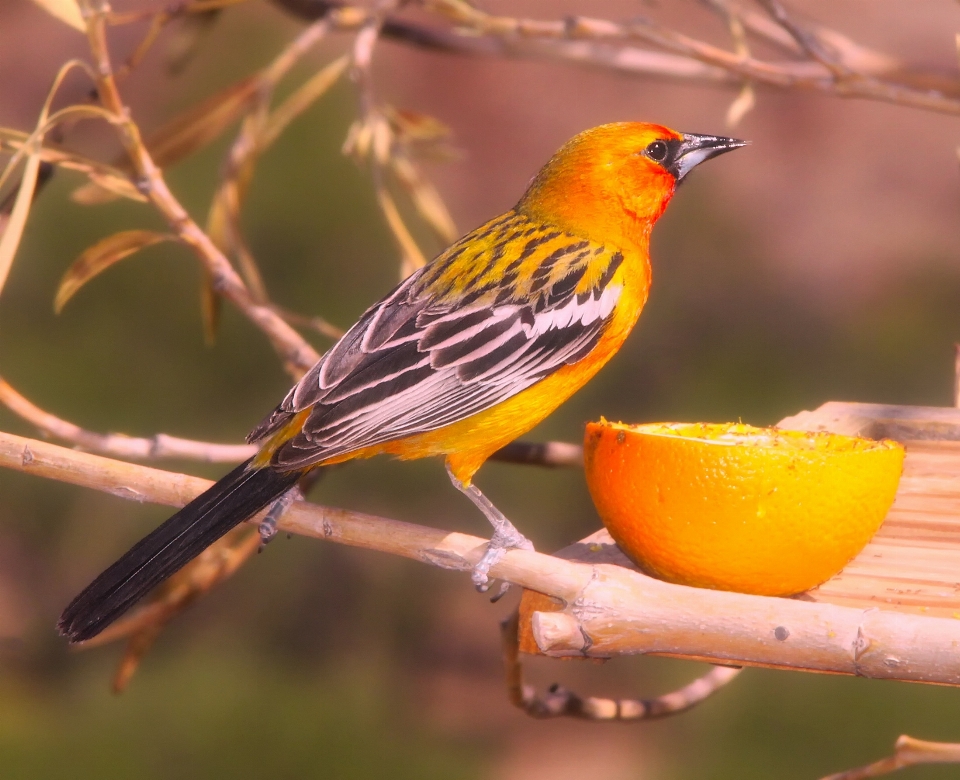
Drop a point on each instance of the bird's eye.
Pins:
(657, 151)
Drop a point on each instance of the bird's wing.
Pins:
(421, 359)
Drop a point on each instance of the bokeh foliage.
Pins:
(322, 661)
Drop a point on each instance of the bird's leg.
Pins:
(505, 535)
(268, 526)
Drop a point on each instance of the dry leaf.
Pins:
(115, 181)
(304, 97)
(101, 256)
(186, 133)
(742, 105)
(107, 176)
(66, 11)
(32, 145)
(382, 140)
(414, 126)
(10, 240)
(210, 306)
(107, 187)
(198, 126)
(425, 198)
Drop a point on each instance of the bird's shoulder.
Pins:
(515, 259)
(507, 304)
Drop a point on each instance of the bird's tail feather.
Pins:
(236, 497)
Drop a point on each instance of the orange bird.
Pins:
(468, 353)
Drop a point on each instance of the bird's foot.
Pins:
(268, 526)
(504, 538)
(505, 535)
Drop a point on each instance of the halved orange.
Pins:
(734, 507)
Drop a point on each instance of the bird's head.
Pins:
(611, 183)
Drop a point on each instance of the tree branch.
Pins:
(810, 75)
(119, 445)
(907, 752)
(560, 702)
(608, 610)
(550, 454)
(296, 353)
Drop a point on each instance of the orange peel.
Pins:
(734, 507)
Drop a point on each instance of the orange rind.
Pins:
(734, 507)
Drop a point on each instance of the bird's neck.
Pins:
(608, 224)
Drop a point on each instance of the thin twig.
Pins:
(561, 702)
(810, 75)
(145, 623)
(551, 454)
(295, 352)
(174, 10)
(907, 752)
(371, 138)
(117, 444)
(602, 43)
(746, 98)
(807, 40)
(314, 323)
(223, 222)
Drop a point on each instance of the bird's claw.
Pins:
(267, 530)
(500, 542)
(268, 526)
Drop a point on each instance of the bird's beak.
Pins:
(694, 149)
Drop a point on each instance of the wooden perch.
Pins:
(911, 565)
(608, 609)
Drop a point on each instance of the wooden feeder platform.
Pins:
(912, 565)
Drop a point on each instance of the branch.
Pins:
(371, 139)
(608, 610)
(296, 353)
(143, 625)
(605, 44)
(560, 702)
(907, 752)
(550, 454)
(117, 444)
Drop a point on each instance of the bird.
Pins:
(469, 352)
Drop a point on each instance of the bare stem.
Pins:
(560, 702)
(295, 352)
(117, 444)
(907, 752)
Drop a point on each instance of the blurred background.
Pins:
(818, 264)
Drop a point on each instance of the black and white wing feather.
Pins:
(418, 361)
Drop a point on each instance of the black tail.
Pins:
(236, 497)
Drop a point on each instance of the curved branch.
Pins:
(117, 444)
(551, 454)
(907, 752)
(560, 702)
